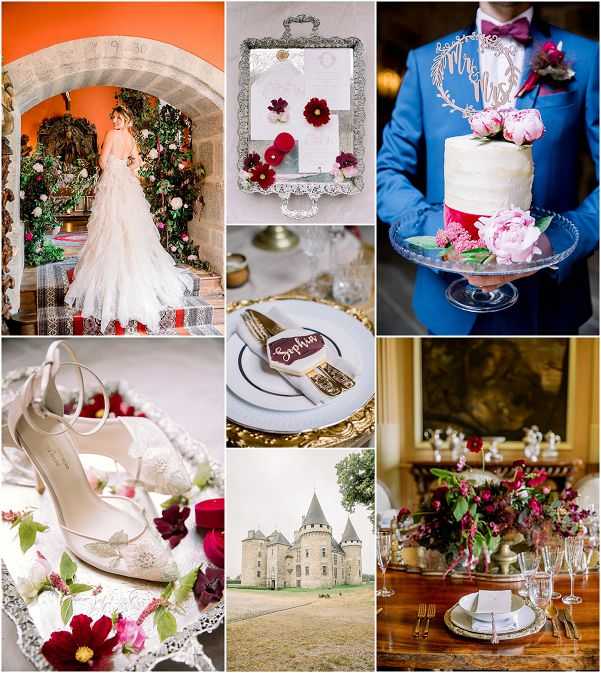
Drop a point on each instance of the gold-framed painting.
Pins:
(495, 387)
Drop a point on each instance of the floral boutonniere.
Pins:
(548, 66)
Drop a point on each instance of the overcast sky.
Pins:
(272, 488)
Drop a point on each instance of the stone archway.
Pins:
(176, 76)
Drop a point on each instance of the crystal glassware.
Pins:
(314, 241)
(540, 589)
(529, 562)
(353, 281)
(384, 548)
(553, 560)
(573, 553)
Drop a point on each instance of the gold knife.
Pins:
(566, 624)
(326, 369)
(568, 614)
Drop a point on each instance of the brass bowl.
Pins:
(237, 273)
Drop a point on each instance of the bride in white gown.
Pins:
(124, 273)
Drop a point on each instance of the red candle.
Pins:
(210, 513)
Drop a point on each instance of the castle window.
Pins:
(306, 553)
(298, 571)
(258, 564)
(323, 552)
(335, 559)
(298, 555)
(306, 570)
(324, 570)
(258, 573)
(335, 573)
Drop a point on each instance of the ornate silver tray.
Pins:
(35, 620)
(259, 57)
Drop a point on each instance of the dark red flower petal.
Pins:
(102, 627)
(59, 649)
(317, 112)
(80, 627)
(263, 175)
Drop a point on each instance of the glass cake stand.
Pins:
(462, 294)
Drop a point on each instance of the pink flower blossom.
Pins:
(486, 495)
(464, 243)
(130, 635)
(487, 123)
(127, 489)
(442, 240)
(161, 225)
(523, 127)
(511, 235)
(535, 506)
(58, 583)
(460, 464)
(464, 488)
(154, 604)
(185, 238)
(435, 505)
(28, 236)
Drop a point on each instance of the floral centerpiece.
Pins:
(465, 521)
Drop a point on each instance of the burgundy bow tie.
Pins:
(519, 30)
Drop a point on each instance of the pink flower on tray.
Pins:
(487, 123)
(523, 127)
(131, 635)
(511, 235)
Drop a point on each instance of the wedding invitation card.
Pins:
(328, 74)
(318, 147)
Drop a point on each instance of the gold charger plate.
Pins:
(538, 623)
(351, 431)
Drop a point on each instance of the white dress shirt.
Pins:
(495, 65)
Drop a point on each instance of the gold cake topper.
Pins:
(450, 59)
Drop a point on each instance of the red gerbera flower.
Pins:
(317, 112)
(172, 524)
(263, 175)
(474, 444)
(85, 648)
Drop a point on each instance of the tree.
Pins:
(356, 481)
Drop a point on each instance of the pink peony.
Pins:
(487, 123)
(511, 235)
(126, 490)
(130, 635)
(523, 127)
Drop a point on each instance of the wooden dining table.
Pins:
(443, 650)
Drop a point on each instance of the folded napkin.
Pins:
(498, 602)
(302, 383)
(502, 625)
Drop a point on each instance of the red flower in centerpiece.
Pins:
(263, 175)
(172, 524)
(537, 478)
(474, 444)
(317, 112)
(251, 160)
(208, 587)
(278, 105)
(85, 648)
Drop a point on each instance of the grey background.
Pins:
(182, 376)
(264, 19)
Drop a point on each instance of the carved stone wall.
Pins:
(167, 72)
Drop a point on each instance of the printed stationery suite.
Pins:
(318, 147)
(328, 75)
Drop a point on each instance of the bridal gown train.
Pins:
(124, 273)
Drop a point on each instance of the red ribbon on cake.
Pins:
(466, 220)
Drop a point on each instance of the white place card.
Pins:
(318, 147)
(328, 74)
(498, 602)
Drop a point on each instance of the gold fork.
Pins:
(430, 614)
(421, 613)
(322, 382)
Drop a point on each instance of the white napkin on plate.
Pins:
(502, 625)
(302, 383)
(498, 602)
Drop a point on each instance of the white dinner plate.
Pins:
(468, 603)
(260, 399)
(524, 618)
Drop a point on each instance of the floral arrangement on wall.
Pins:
(172, 184)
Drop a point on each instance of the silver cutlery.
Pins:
(421, 614)
(494, 640)
(568, 615)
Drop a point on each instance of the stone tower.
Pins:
(351, 544)
(278, 549)
(315, 546)
(254, 560)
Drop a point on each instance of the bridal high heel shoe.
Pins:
(136, 443)
(111, 533)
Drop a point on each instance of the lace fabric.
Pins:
(124, 273)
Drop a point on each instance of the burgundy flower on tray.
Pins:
(317, 112)
(345, 167)
(85, 648)
(251, 160)
(278, 110)
(263, 175)
(208, 587)
(172, 524)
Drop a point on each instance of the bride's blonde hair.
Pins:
(123, 112)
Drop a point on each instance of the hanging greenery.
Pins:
(48, 189)
(171, 182)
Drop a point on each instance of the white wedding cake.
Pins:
(483, 176)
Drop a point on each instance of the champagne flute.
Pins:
(384, 547)
(529, 562)
(313, 239)
(573, 553)
(540, 589)
(553, 560)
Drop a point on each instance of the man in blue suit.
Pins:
(410, 174)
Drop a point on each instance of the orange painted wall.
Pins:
(93, 103)
(197, 27)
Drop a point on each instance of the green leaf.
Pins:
(445, 475)
(67, 567)
(493, 543)
(165, 623)
(460, 508)
(186, 584)
(27, 534)
(66, 610)
(40, 527)
(476, 251)
(79, 588)
(473, 509)
(543, 223)
(167, 591)
(427, 242)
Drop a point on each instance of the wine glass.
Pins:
(553, 560)
(529, 562)
(314, 239)
(573, 552)
(540, 589)
(384, 547)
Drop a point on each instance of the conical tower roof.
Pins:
(315, 514)
(349, 532)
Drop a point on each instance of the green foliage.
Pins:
(185, 585)
(28, 530)
(67, 567)
(164, 137)
(356, 481)
(165, 623)
(66, 610)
